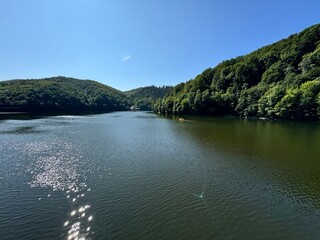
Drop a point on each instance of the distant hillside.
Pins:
(145, 97)
(59, 94)
(281, 80)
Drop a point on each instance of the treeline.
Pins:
(281, 80)
(60, 94)
(144, 97)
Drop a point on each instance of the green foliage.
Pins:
(277, 81)
(308, 102)
(288, 106)
(248, 101)
(59, 94)
(267, 103)
(318, 104)
(275, 73)
(145, 97)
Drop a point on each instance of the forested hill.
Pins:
(281, 80)
(145, 97)
(59, 94)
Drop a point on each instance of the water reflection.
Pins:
(53, 166)
(154, 178)
(56, 167)
(77, 224)
(281, 153)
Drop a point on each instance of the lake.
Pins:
(135, 175)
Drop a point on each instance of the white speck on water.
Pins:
(201, 195)
(81, 209)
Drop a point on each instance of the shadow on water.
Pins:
(33, 116)
(283, 153)
(147, 117)
(22, 130)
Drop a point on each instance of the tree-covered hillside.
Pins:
(281, 80)
(59, 94)
(145, 97)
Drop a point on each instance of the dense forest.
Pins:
(281, 80)
(59, 94)
(62, 94)
(144, 97)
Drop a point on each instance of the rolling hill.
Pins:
(144, 97)
(59, 94)
(281, 80)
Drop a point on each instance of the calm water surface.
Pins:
(134, 175)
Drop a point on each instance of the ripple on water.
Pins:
(77, 225)
(56, 166)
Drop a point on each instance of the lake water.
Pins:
(134, 175)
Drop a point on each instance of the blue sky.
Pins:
(133, 43)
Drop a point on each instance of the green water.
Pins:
(134, 175)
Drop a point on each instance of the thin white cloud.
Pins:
(126, 58)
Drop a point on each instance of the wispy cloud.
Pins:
(126, 58)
